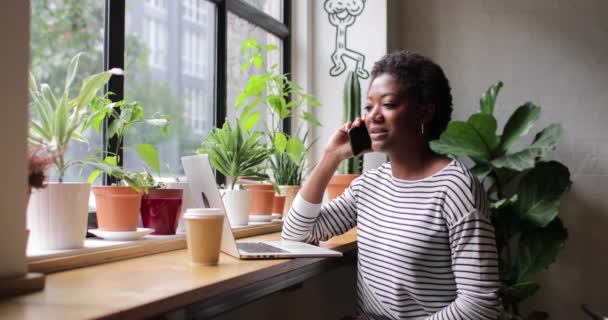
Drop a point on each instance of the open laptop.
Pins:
(203, 187)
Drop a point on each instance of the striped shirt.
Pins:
(426, 248)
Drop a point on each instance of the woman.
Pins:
(426, 244)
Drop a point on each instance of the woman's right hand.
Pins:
(339, 144)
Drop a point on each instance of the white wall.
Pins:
(14, 32)
(551, 52)
(312, 55)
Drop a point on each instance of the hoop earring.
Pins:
(422, 128)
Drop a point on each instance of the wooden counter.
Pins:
(152, 285)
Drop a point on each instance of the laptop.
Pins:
(204, 190)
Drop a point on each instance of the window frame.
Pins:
(114, 49)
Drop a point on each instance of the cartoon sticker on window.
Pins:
(342, 14)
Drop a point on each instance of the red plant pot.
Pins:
(161, 214)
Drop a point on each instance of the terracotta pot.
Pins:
(57, 216)
(290, 193)
(117, 207)
(161, 214)
(278, 204)
(339, 183)
(262, 196)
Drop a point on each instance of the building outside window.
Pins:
(170, 61)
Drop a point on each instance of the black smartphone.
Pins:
(359, 139)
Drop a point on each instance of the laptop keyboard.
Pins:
(258, 247)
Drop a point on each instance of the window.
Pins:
(274, 8)
(155, 34)
(174, 53)
(60, 29)
(195, 11)
(157, 4)
(196, 106)
(195, 49)
(238, 31)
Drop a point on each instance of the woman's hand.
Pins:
(339, 144)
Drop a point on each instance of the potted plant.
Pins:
(236, 153)
(118, 206)
(350, 169)
(524, 192)
(40, 159)
(161, 206)
(284, 99)
(57, 213)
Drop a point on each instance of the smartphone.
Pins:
(359, 139)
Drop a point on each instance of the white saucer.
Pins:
(260, 218)
(121, 235)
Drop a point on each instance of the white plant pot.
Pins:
(57, 216)
(187, 203)
(237, 204)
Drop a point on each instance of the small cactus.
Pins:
(352, 110)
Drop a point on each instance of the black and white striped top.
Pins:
(426, 247)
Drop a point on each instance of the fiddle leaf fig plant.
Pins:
(524, 191)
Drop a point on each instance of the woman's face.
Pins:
(392, 122)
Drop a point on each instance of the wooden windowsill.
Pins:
(97, 251)
(157, 284)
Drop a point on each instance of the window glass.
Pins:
(60, 29)
(170, 51)
(238, 31)
(273, 8)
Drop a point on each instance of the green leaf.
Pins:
(295, 149)
(111, 160)
(518, 125)
(249, 43)
(481, 171)
(251, 121)
(485, 124)
(314, 103)
(488, 99)
(461, 139)
(539, 248)
(540, 191)
(149, 155)
(310, 118)
(245, 65)
(519, 292)
(71, 73)
(544, 142)
(91, 85)
(93, 176)
(271, 47)
(280, 142)
(258, 61)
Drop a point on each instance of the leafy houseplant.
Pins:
(283, 99)
(349, 169)
(59, 121)
(118, 206)
(236, 153)
(61, 118)
(524, 193)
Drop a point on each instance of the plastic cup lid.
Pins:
(194, 213)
